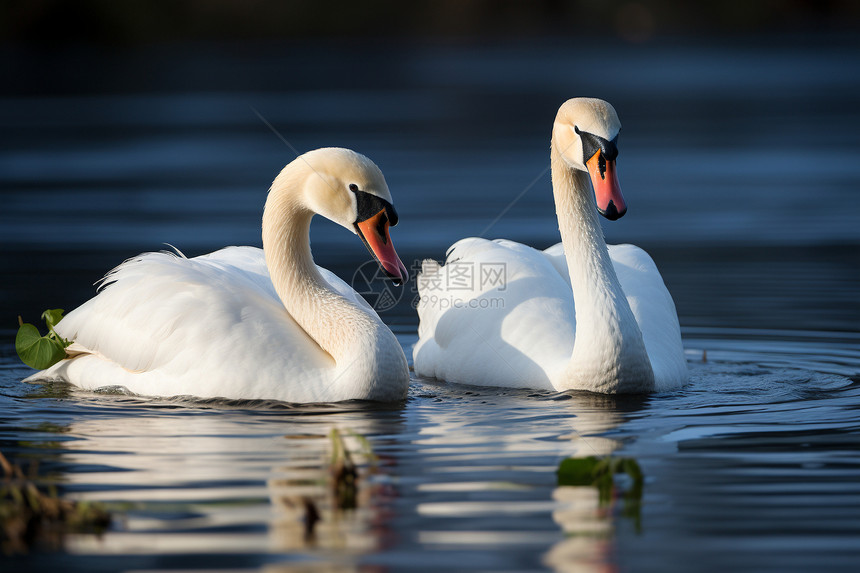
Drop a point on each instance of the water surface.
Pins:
(737, 163)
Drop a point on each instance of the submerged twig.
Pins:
(28, 515)
(344, 474)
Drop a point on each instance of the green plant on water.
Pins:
(37, 351)
(600, 473)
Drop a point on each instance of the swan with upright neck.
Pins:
(580, 315)
(246, 323)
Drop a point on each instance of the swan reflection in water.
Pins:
(587, 512)
(453, 476)
(314, 513)
(199, 481)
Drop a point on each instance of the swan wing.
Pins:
(212, 325)
(652, 306)
(555, 255)
(654, 309)
(497, 314)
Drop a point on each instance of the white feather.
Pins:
(217, 325)
(523, 333)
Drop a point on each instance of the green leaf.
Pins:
(52, 317)
(38, 351)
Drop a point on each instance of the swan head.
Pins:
(585, 133)
(349, 189)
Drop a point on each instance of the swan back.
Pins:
(211, 325)
(514, 332)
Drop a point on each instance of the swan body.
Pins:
(580, 315)
(249, 323)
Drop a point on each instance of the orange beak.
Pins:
(607, 191)
(374, 232)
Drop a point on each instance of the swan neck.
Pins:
(609, 353)
(305, 294)
(589, 264)
(366, 359)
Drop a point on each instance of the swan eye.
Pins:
(353, 187)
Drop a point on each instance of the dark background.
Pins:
(127, 125)
(53, 24)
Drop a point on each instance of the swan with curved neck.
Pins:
(579, 316)
(245, 323)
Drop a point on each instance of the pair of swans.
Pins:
(270, 324)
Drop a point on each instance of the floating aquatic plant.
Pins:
(37, 351)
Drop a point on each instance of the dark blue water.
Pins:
(739, 166)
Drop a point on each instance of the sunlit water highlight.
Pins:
(755, 462)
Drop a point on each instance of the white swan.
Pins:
(218, 325)
(502, 314)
